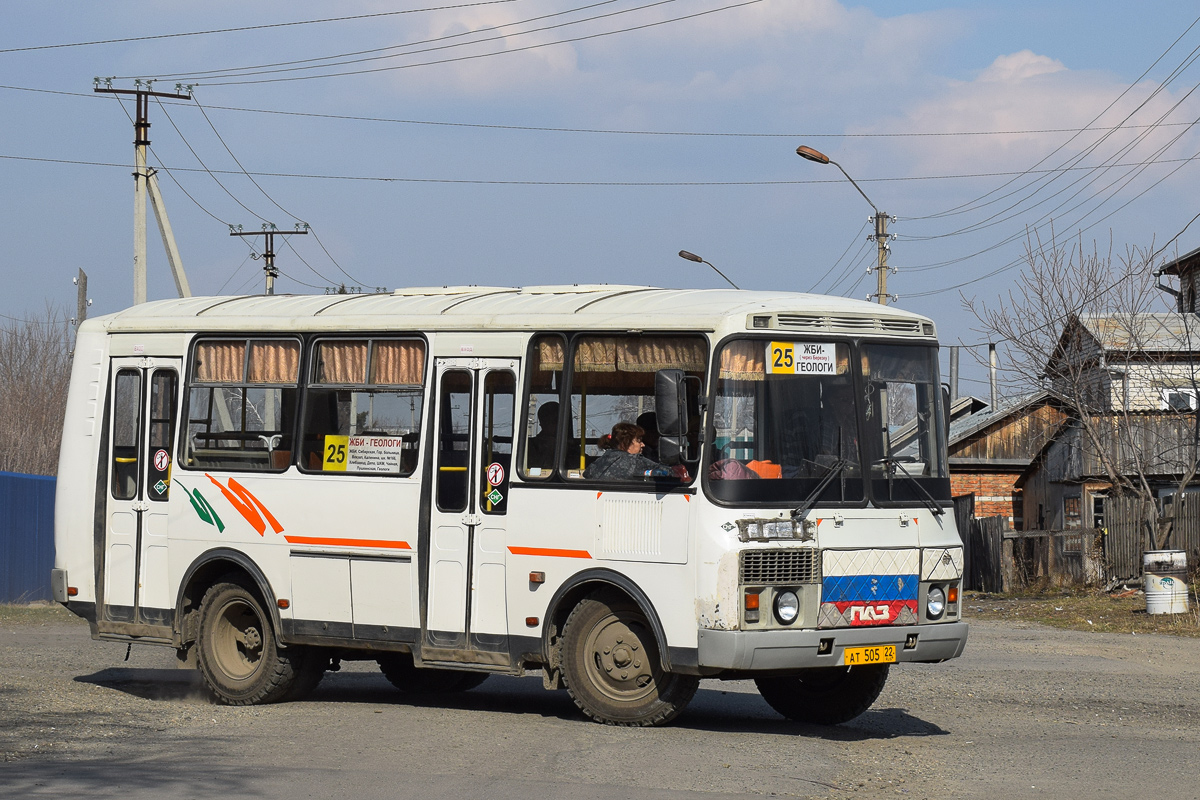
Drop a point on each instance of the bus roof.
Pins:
(580, 307)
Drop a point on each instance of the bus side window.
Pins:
(613, 381)
(363, 406)
(544, 420)
(242, 396)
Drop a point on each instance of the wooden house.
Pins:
(989, 451)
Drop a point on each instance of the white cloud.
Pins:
(1019, 66)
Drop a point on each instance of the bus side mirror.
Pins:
(671, 409)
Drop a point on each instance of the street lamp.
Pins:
(693, 257)
(880, 237)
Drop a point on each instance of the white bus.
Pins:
(269, 485)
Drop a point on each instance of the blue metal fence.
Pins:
(26, 537)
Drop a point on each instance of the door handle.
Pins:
(140, 505)
(471, 519)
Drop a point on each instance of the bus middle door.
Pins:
(466, 619)
(145, 399)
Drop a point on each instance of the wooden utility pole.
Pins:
(881, 237)
(145, 182)
(268, 256)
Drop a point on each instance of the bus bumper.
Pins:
(783, 650)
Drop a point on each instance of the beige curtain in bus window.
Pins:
(596, 354)
(550, 355)
(273, 362)
(220, 362)
(342, 362)
(650, 354)
(397, 363)
(744, 360)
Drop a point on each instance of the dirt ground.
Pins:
(1028, 711)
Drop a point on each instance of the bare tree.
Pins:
(1096, 332)
(35, 366)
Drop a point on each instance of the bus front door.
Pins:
(465, 607)
(141, 434)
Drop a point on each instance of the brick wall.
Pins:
(994, 494)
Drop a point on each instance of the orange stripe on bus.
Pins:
(347, 542)
(548, 551)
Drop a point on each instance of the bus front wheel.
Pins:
(239, 658)
(612, 669)
(825, 695)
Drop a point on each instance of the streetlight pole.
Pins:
(881, 237)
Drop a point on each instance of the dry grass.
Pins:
(35, 614)
(1083, 610)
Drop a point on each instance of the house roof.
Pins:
(1184, 262)
(969, 426)
(1143, 333)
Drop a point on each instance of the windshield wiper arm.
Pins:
(834, 470)
(892, 462)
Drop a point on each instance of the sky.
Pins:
(523, 142)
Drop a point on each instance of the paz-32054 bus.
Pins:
(271, 484)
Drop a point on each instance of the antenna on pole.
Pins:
(145, 183)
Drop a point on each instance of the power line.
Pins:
(621, 132)
(485, 55)
(478, 181)
(330, 61)
(251, 27)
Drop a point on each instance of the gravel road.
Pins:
(1027, 712)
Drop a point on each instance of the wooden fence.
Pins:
(1128, 533)
(997, 559)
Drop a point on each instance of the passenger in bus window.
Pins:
(622, 458)
(540, 451)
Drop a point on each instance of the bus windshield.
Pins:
(790, 421)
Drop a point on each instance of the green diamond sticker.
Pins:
(495, 497)
(161, 487)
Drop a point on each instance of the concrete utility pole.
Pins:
(145, 182)
(268, 233)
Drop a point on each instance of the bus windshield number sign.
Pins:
(802, 358)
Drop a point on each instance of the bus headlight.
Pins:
(787, 607)
(935, 603)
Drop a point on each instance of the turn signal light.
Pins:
(282, 602)
(752, 602)
(532, 622)
(537, 577)
(72, 591)
(952, 595)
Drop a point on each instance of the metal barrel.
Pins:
(1165, 575)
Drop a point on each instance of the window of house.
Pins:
(242, 396)
(362, 409)
(1178, 399)
(612, 380)
(1071, 512)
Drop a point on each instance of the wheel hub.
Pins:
(619, 665)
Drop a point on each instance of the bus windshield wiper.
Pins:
(834, 470)
(892, 462)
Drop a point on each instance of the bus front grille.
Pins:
(776, 567)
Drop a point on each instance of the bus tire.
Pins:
(400, 672)
(612, 669)
(824, 695)
(240, 661)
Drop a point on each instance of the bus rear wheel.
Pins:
(612, 669)
(240, 661)
(826, 695)
(400, 671)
